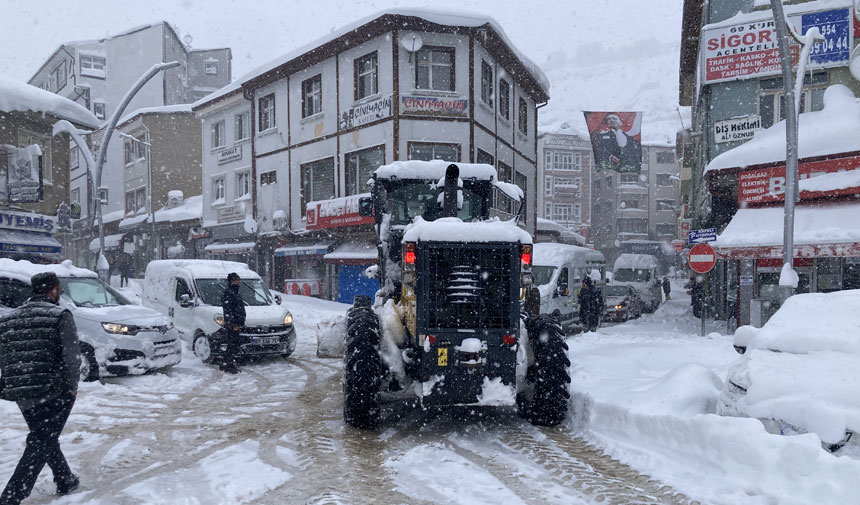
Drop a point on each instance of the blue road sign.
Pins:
(703, 235)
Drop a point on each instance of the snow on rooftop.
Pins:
(552, 254)
(447, 18)
(547, 225)
(23, 270)
(20, 96)
(820, 133)
(164, 109)
(448, 229)
(636, 261)
(830, 182)
(821, 223)
(191, 208)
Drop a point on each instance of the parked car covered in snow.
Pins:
(558, 271)
(116, 336)
(640, 272)
(800, 372)
(189, 292)
(622, 302)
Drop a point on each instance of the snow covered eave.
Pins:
(182, 108)
(20, 96)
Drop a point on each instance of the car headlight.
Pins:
(124, 329)
(288, 319)
(219, 319)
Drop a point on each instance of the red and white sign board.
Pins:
(335, 213)
(767, 185)
(702, 258)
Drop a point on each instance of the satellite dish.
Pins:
(188, 39)
(411, 42)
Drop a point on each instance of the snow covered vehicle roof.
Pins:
(23, 270)
(434, 170)
(553, 254)
(636, 261)
(201, 269)
(452, 229)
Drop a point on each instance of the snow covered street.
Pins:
(275, 434)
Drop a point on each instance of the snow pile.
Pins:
(19, 96)
(820, 133)
(496, 393)
(788, 277)
(330, 334)
(23, 270)
(823, 223)
(448, 229)
(829, 182)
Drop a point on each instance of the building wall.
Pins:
(560, 192)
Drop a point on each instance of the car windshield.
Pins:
(542, 274)
(632, 275)
(252, 291)
(616, 290)
(89, 292)
(422, 199)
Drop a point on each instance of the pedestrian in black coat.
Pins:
(590, 304)
(667, 287)
(234, 319)
(40, 365)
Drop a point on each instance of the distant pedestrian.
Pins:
(667, 288)
(590, 305)
(697, 297)
(124, 270)
(234, 319)
(40, 364)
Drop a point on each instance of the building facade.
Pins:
(564, 175)
(643, 206)
(396, 87)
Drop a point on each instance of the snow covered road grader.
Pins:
(446, 321)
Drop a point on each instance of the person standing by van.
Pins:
(667, 287)
(40, 364)
(234, 319)
(590, 305)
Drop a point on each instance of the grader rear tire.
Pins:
(363, 368)
(550, 375)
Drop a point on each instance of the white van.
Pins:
(189, 292)
(640, 272)
(558, 270)
(116, 336)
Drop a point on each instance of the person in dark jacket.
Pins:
(590, 304)
(234, 319)
(667, 287)
(697, 296)
(40, 364)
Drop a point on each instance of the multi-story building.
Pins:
(731, 76)
(401, 85)
(564, 171)
(98, 73)
(643, 206)
(35, 211)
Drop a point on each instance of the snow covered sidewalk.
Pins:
(646, 393)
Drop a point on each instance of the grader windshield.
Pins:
(409, 199)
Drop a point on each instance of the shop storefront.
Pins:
(349, 261)
(25, 236)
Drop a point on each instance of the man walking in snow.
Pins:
(234, 319)
(590, 305)
(667, 287)
(40, 364)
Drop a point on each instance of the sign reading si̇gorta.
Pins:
(703, 235)
(736, 129)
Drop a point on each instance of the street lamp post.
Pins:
(100, 160)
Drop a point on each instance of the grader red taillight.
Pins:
(409, 255)
(526, 255)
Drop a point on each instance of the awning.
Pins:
(22, 242)
(235, 248)
(353, 253)
(111, 242)
(829, 229)
(315, 249)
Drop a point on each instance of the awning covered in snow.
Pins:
(312, 249)
(353, 253)
(111, 242)
(22, 242)
(234, 248)
(824, 229)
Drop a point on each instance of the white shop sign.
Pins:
(736, 129)
(228, 155)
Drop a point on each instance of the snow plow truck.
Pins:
(456, 316)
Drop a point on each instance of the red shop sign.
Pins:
(335, 213)
(767, 185)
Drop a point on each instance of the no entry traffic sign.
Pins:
(702, 258)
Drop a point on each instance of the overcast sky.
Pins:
(257, 31)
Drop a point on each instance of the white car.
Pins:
(640, 272)
(558, 270)
(800, 373)
(116, 336)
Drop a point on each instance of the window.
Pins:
(663, 180)
(666, 205)
(485, 158)
(267, 112)
(547, 210)
(559, 160)
(577, 161)
(772, 97)
(270, 177)
(312, 96)
(665, 157)
(366, 76)
(434, 68)
(629, 178)
(565, 183)
(182, 289)
(141, 149)
(140, 197)
(211, 66)
(577, 212)
(503, 202)
(218, 190)
(523, 118)
(547, 186)
(628, 204)
(521, 181)
(99, 109)
(129, 202)
(360, 166)
(217, 135)
(75, 195)
(241, 126)
(74, 157)
(486, 83)
(243, 185)
(129, 151)
(58, 77)
(562, 212)
(92, 66)
(505, 99)
(639, 226)
(427, 152)
(317, 181)
(665, 229)
(506, 173)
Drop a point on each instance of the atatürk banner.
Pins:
(616, 139)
